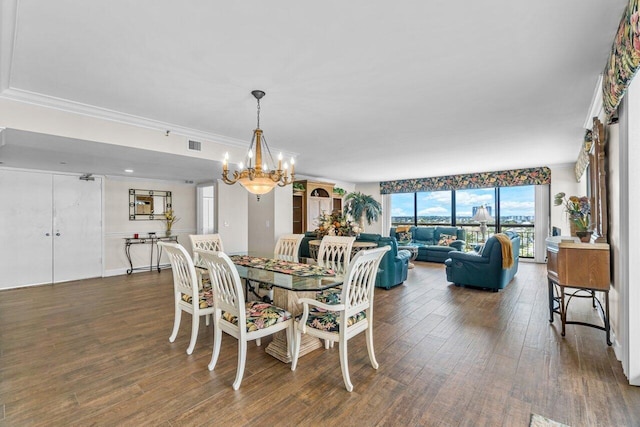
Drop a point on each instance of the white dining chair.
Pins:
(287, 248)
(207, 242)
(245, 321)
(353, 315)
(186, 291)
(335, 252)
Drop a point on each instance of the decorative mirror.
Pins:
(148, 204)
(598, 183)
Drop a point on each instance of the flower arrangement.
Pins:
(578, 209)
(169, 219)
(336, 224)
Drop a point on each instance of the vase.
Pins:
(585, 236)
(573, 229)
(167, 232)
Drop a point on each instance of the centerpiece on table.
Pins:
(579, 210)
(169, 219)
(336, 224)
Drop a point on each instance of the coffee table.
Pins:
(411, 248)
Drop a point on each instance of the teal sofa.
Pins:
(394, 266)
(483, 269)
(427, 238)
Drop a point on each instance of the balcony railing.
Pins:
(473, 237)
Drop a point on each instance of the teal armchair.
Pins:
(484, 269)
(394, 266)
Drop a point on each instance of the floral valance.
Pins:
(508, 178)
(624, 60)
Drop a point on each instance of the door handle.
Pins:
(47, 234)
(57, 234)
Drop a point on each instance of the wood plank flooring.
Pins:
(97, 352)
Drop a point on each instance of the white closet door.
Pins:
(26, 251)
(77, 228)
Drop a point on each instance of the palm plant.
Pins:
(361, 206)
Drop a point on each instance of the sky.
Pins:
(515, 201)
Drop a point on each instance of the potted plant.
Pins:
(361, 206)
(169, 219)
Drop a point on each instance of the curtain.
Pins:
(624, 59)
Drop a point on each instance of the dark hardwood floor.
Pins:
(97, 352)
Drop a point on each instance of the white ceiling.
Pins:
(363, 90)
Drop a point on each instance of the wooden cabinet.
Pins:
(309, 204)
(579, 265)
(299, 213)
(585, 268)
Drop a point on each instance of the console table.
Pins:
(584, 268)
(153, 242)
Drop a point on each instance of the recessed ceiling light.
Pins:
(128, 170)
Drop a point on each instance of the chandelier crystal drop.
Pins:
(259, 175)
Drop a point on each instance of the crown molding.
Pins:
(595, 109)
(60, 104)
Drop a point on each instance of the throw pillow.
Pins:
(404, 237)
(446, 239)
(402, 229)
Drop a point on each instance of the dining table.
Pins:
(290, 281)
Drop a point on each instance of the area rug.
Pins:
(540, 421)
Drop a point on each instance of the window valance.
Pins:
(624, 59)
(508, 178)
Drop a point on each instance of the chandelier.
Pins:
(259, 178)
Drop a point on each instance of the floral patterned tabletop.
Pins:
(281, 266)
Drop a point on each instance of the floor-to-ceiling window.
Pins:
(434, 207)
(517, 214)
(510, 208)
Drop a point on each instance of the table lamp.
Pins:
(482, 216)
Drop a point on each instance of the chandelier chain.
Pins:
(258, 113)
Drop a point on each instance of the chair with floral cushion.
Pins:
(186, 291)
(353, 315)
(244, 321)
(287, 248)
(334, 253)
(207, 242)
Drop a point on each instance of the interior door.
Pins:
(77, 228)
(26, 251)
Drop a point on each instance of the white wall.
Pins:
(117, 225)
(625, 174)
(232, 207)
(269, 218)
(563, 180)
(632, 300)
